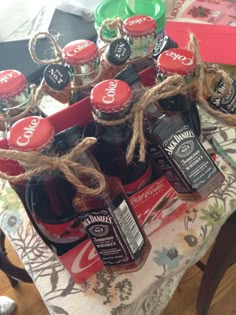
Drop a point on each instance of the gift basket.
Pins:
(124, 157)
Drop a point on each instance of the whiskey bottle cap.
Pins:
(176, 61)
(56, 76)
(163, 44)
(110, 96)
(128, 75)
(139, 25)
(12, 83)
(80, 52)
(118, 51)
(32, 133)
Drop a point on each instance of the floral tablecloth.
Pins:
(175, 247)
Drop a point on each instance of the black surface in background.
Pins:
(15, 54)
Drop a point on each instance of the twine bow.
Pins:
(36, 163)
(173, 85)
(58, 53)
(111, 24)
(202, 80)
(57, 49)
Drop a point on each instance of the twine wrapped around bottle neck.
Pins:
(117, 24)
(173, 85)
(204, 70)
(111, 24)
(36, 163)
(58, 53)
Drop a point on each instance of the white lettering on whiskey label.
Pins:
(186, 147)
(226, 104)
(187, 155)
(114, 232)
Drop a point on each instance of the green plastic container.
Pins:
(126, 8)
(110, 9)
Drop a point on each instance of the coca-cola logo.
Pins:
(28, 132)
(139, 20)
(110, 92)
(76, 49)
(8, 76)
(187, 61)
(86, 258)
(141, 197)
(176, 9)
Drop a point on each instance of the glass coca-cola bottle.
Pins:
(48, 196)
(111, 101)
(111, 223)
(183, 62)
(16, 97)
(140, 33)
(82, 59)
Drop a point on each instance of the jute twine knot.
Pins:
(204, 70)
(111, 24)
(173, 85)
(58, 53)
(36, 163)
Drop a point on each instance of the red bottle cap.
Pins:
(32, 133)
(176, 60)
(110, 96)
(139, 25)
(80, 52)
(12, 83)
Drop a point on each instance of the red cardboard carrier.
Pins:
(155, 205)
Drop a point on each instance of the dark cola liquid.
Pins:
(49, 197)
(110, 153)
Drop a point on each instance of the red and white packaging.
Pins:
(155, 205)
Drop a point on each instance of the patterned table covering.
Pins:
(175, 247)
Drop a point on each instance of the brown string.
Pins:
(114, 122)
(202, 81)
(36, 163)
(111, 24)
(57, 49)
(173, 85)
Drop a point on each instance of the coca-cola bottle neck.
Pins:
(113, 115)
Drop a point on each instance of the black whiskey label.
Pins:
(227, 104)
(189, 157)
(56, 76)
(114, 232)
(172, 174)
(119, 51)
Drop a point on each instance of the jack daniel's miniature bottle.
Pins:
(111, 100)
(111, 223)
(114, 58)
(181, 157)
(226, 104)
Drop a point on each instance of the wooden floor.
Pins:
(183, 302)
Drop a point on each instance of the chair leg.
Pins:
(222, 256)
(13, 272)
